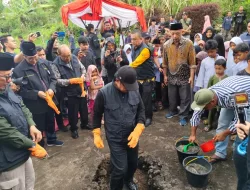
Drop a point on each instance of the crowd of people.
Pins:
(102, 82)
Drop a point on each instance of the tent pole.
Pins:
(84, 23)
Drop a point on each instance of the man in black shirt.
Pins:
(88, 57)
(94, 45)
(239, 19)
(106, 27)
(124, 121)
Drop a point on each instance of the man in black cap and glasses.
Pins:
(124, 118)
(18, 135)
(41, 84)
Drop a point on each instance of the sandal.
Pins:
(213, 159)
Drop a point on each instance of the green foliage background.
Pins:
(28, 16)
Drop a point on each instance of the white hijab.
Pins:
(199, 34)
(230, 58)
(129, 56)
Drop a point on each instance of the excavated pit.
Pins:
(148, 176)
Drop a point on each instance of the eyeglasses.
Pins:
(30, 58)
(7, 77)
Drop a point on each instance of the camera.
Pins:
(38, 34)
(116, 53)
(20, 81)
(240, 101)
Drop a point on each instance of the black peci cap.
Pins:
(127, 76)
(28, 48)
(176, 26)
(6, 62)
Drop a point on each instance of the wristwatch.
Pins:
(34, 145)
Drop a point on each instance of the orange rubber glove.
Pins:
(97, 138)
(38, 151)
(76, 81)
(83, 91)
(135, 135)
(51, 103)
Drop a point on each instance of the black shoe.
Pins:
(131, 186)
(63, 128)
(148, 122)
(55, 143)
(86, 127)
(74, 134)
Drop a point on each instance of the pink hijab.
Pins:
(93, 93)
(206, 24)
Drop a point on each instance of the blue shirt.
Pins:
(223, 90)
(227, 23)
(245, 38)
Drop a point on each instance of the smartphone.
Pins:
(38, 34)
(60, 34)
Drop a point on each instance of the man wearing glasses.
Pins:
(17, 126)
(144, 67)
(40, 81)
(70, 77)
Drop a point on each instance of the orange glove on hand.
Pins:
(38, 151)
(135, 135)
(97, 138)
(83, 91)
(76, 81)
(51, 103)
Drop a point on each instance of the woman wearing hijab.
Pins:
(227, 46)
(208, 34)
(221, 46)
(128, 52)
(230, 60)
(197, 38)
(206, 24)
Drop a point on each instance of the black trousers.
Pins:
(182, 91)
(75, 105)
(146, 89)
(164, 94)
(45, 122)
(124, 162)
(238, 29)
(98, 64)
(59, 117)
(158, 95)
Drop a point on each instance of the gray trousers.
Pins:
(20, 178)
(179, 95)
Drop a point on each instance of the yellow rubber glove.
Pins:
(135, 135)
(38, 151)
(97, 138)
(76, 81)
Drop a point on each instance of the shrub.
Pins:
(197, 13)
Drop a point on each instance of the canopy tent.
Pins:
(83, 12)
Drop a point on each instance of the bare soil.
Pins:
(75, 165)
